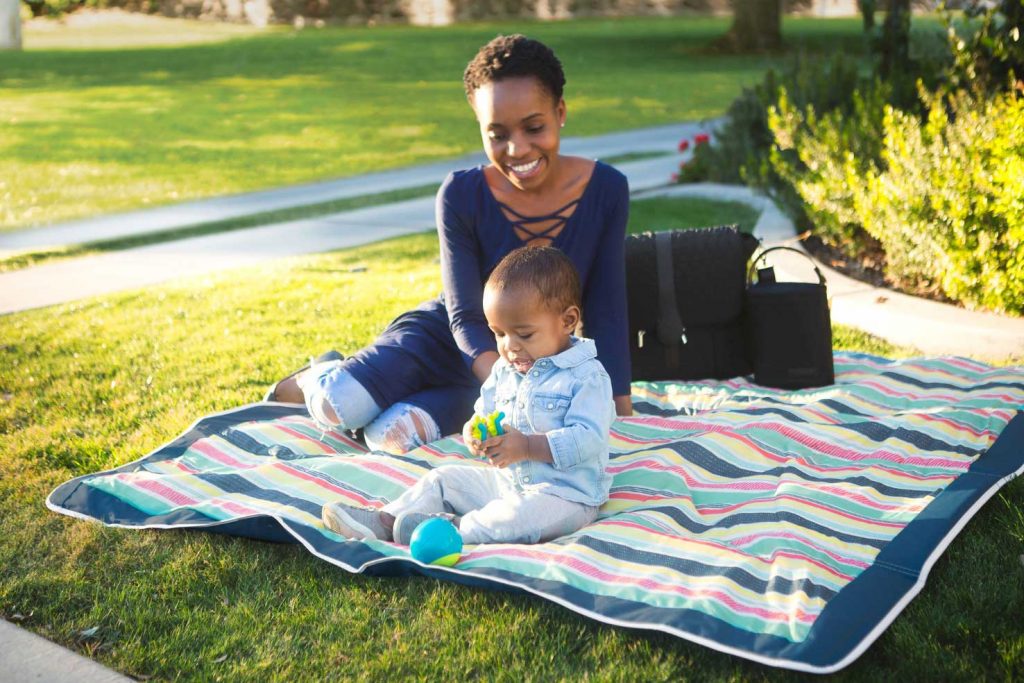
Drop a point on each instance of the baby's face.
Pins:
(525, 328)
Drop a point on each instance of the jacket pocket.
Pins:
(549, 411)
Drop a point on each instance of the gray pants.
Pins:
(492, 507)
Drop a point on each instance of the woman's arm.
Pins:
(460, 274)
(604, 301)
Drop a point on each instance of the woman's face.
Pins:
(521, 126)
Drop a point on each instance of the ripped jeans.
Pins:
(398, 429)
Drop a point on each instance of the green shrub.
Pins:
(988, 48)
(943, 197)
(742, 144)
(948, 204)
(824, 158)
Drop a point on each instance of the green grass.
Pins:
(84, 132)
(96, 384)
(671, 213)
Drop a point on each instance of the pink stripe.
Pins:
(379, 467)
(738, 554)
(810, 503)
(646, 583)
(820, 446)
(890, 391)
(205, 447)
(324, 448)
(282, 424)
(162, 490)
(750, 538)
(237, 508)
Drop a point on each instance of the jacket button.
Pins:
(536, 374)
(526, 480)
(551, 406)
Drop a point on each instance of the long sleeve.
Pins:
(584, 438)
(461, 274)
(605, 318)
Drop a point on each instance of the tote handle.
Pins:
(753, 264)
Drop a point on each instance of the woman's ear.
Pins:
(560, 112)
(571, 318)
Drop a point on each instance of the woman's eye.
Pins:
(497, 137)
(534, 131)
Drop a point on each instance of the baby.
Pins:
(548, 474)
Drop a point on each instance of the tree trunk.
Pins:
(10, 25)
(867, 13)
(895, 44)
(756, 26)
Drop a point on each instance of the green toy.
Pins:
(487, 426)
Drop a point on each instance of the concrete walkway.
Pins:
(67, 280)
(113, 226)
(28, 658)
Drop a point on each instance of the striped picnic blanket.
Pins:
(781, 526)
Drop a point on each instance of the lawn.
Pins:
(88, 131)
(92, 385)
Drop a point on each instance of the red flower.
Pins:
(684, 145)
(701, 138)
(674, 178)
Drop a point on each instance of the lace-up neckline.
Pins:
(523, 223)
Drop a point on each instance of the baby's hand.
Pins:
(507, 449)
(472, 439)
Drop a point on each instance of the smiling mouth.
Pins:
(525, 170)
(521, 364)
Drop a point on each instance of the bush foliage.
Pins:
(942, 196)
(927, 163)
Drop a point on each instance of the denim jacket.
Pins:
(567, 397)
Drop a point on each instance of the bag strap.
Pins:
(753, 264)
(671, 330)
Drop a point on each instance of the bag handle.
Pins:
(753, 264)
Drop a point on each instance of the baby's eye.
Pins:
(524, 337)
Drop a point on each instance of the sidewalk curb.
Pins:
(26, 657)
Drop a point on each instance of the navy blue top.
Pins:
(476, 234)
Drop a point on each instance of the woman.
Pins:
(419, 379)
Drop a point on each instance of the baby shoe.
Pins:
(406, 523)
(354, 522)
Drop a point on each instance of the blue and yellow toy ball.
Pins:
(436, 541)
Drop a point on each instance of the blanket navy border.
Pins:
(847, 621)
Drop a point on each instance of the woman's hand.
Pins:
(624, 405)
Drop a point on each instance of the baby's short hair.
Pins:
(546, 270)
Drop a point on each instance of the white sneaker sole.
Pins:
(341, 523)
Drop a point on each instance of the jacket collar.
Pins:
(581, 349)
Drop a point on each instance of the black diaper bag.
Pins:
(685, 291)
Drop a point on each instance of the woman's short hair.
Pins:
(546, 270)
(513, 56)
